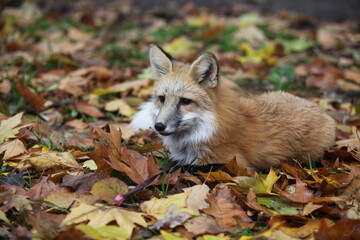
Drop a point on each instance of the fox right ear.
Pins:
(161, 62)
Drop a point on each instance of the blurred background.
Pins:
(77, 49)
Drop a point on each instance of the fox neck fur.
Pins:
(202, 120)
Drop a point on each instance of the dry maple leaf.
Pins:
(224, 208)
(8, 127)
(133, 164)
(12, 148)
(298, 192)
(100, 215)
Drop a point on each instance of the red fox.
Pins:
(203, 120)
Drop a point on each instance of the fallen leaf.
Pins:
(51, 159)
(82, 183)
(173, 218)
(298, 193)
(227, 213)
(104, 232)
(180, 46)
(8, 127)
(343, 229)
(169, 236)
(100, 215)
(61, 197)
(259, 184)
(12, 148)
(107, 189)
(121, 106)
(197, 197)
(36, 101)
(203, 224)
(158, 207)
(89, 109)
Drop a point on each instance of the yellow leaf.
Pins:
(216, 176)
(180, 46)
(256, 182)
(54, 159)
(169, 236)
(157, 207)
(8, 127)
(107, 189)
(90, 164)
(270, 180)
(104, 232)
(264, 235)
(218, 237)
(100, 215)
(3, 217)
(121, 106)
(252, 55)
(12, 148)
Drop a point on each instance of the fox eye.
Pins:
(185, 101)
(162, 99)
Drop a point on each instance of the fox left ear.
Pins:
(161, 62)
(205, 70)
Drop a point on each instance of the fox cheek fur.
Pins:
(203, 120)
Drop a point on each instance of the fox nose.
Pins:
(160, 126)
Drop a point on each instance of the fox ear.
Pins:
(161, 62)
(205, 70)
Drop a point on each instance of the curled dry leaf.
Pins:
(36, 101)
(51, 159)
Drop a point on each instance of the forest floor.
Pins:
(72, 77)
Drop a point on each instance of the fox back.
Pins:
(202, 120)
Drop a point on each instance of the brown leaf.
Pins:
(298, 192)
(202, 225)
(353, 76)
(36, 101)
(42, 189)
(5, 86)
(80, 141)
(89, 109)
(224, 208)
(133, 164)
(12, 148)
(82, 183)
(343, 229)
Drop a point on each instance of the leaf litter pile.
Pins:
(72, 77)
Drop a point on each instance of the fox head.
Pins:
(183, 95)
